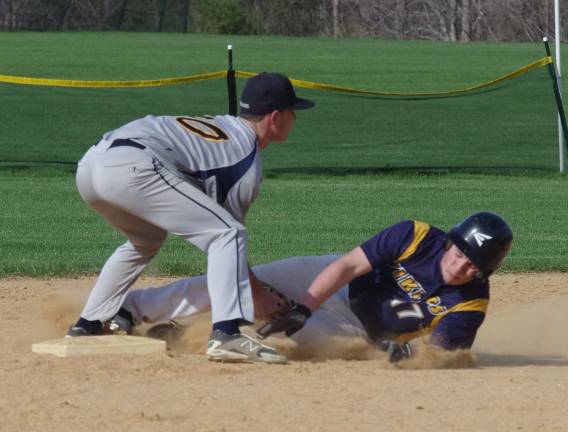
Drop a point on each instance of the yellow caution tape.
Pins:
(330, 87)
(115, 84)
(242, 74)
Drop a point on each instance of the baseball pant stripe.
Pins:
(156, 169)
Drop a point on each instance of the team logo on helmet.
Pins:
(480, 238)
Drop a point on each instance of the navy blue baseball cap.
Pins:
(267, 92)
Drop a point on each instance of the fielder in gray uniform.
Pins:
(194, 177)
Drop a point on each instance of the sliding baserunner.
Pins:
(409, 280)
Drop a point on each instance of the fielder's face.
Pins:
(283, 121)
(457, 269)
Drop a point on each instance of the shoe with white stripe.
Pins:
(240, 348)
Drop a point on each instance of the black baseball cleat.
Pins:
(121, 324)
(76, 331)
(85, 327)
(395, 351)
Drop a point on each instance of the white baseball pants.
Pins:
(135, 194)
(291, 276)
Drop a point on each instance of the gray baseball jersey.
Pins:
(217, 154)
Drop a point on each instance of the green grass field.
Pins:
(513, 128)
(351, 167)
(390, 65)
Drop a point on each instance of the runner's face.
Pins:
(457, 269)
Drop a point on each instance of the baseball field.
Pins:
(350, 169)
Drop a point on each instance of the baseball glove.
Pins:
(285, 304)
(290, 323)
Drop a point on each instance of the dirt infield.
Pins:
(516, 379)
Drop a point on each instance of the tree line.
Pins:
(439, 20)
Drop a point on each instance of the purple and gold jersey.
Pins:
(405, 294)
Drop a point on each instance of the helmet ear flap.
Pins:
(485, 238)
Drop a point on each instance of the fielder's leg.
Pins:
(99, 178)
(132, 180)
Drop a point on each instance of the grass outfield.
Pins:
(512, 128)
(326, 190)
(48, 230)
(399, 65)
